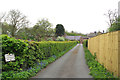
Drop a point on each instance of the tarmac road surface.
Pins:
(70, 65)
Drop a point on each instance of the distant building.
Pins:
(91, 35)
(85, 37)
(77, 38)
(73, 37)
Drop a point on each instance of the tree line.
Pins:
(15, 24)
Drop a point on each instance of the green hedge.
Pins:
(85, 43)
(28, 54)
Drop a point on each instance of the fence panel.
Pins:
(107, 49)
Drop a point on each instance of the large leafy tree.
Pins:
(42, 29)
(25, 33)
(60, 31)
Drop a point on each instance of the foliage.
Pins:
(112, 17)
(74, 34)
(114, 20)
(38, 32)
(17, 20)
(85, 43)
(96, 69)
(13, 46)
(42, 28)
(59, 30)
(115, 26)
(32, 71)
(67, 39)
(26, 33)
(60, 38)
(5, 28)
(16, 25)
(28, 54)
(49, 39)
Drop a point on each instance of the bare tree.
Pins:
(2, 16)
(17, 20)
(112, 16)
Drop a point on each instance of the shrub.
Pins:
(18, 48)
(29, 54)
(85, 43)
(115, 26)
(67, 39)
(49, 39)
(60, 38)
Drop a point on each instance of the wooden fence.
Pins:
(107, 49)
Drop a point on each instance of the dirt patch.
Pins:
(76, 50)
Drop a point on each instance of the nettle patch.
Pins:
(30, 56)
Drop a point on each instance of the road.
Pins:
(70, 65)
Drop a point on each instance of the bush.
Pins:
(60, 38)
(67, 39)
(29, 54)
(49, 39)
(115, 26)
(85, 43)
(18, 48)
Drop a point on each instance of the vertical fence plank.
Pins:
(107, 49)
(118, 53)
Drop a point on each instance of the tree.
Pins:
(17, 20)
(114, 21)
(42, 29)
(59, 30)
(112, 16)
(1, 23)
(2, 16)
(25, 33)
(115, 26)
(72, 33)
(6, 28)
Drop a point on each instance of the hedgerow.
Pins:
(30, 56)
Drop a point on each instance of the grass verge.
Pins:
(97, 70)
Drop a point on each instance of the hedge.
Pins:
(28, 54)
(85, 42)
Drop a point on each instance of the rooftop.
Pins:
(73, 37)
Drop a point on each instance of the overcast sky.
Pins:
(83, 16)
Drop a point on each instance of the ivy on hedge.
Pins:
(28, 54)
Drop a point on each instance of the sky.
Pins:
(82, 16)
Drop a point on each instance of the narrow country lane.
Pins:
(70, 65)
